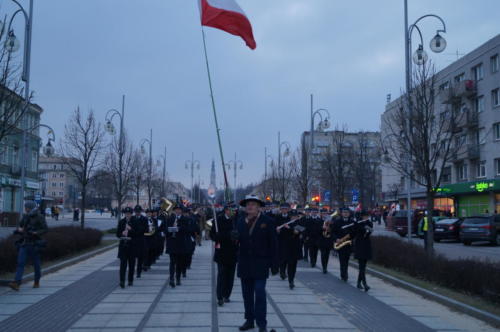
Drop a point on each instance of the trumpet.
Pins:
(345, 241)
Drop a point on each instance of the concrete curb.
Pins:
(63, 264)
(449, 302)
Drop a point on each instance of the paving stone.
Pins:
(177, 307)
(180, 319)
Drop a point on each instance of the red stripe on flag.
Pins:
(232, 22)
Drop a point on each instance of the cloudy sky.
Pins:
(88, 53)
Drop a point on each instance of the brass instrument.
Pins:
(165, 206)
(326, 229)
(345, 241)
(151, 228)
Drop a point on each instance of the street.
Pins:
(86, 297)
(450, 249)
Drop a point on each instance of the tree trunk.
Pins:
(82, 206)
(429, 244)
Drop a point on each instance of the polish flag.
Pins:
(228, 16)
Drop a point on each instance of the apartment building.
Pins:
(471, 182)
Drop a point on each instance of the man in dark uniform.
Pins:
(256, 234)
(139, 242)
(342, 229)
(314, 229)
(289, 243)
(177, 229)
(158, 239)
(363, 247)
(224, 254)
(325, 241)
(304, 222)
(130, 231)
(149, 242)
(281, 220)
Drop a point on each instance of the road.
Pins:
(453, 250)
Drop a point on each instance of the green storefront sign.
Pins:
(469, 187)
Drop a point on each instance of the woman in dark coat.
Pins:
(363, 248)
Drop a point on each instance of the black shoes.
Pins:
(282, 276)
(359, 286)
(130, 283)
(172, 283)
(247, 326)
(178, 281)
(227, 300)
(325, 271)
(367, 288)
(292, 285)
(122, 285)
(184, 274)
(220, 303)
(138, 276)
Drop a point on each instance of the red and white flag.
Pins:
(228, 16)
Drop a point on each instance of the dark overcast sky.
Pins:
(348, 53)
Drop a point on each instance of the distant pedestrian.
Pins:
(31, 228)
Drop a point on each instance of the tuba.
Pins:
(165, 207)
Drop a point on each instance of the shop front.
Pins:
(474, 198)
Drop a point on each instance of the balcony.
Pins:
(468, 151)
(454, 94)
(473, 151)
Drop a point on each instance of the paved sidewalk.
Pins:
(86, 297)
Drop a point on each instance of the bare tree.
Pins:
(431, 143)
(366, 168)
(300, 173)
(80, 148)
(120, 162)
(336, 166)
(13, 103)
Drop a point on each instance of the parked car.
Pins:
(447, 229)
(399, 222)
(480, 228)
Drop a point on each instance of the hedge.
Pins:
(61, 241)
(473, 277)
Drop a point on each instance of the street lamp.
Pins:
(437, 45)
(110, 129)
(12, 45)
(324, 123)
(150, 162)
(265, 169)
(48, 149)
(163, 160)
(192, 165)
(286, 153)
(235, 164)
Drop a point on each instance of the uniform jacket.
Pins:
(362, 242)
(289, 242)
(258, 251)
(226, 249)
(180, 242)
(136, 234)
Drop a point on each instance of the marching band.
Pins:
(253, 241)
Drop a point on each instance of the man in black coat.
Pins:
(304, 222)
(256, 234)
(325, 241)
(139, 241)
(289, 238)
(130, 230)
(225, 254)
(313, 233)
(178, 230)
(343, 229)
(281, 220)
(149, 240)
(363, 247)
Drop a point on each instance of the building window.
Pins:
(481, 169)
(481, 136)
(61, 194)
(462, 172)
(496, 131)
(477, 72)
(479, 104)
(55, 166)
(459, 78)
(54, 184)
(495, 97)
(495, 63)
(446, 176)
(54, 175)
(61, 175)
(54, 193)
(61, 184)
(497, 166)
(444, 86)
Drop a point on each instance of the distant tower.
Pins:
(212, 174)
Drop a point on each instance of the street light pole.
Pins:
(121, 148)
(191, 164)
(438, 44)
(281, 168)
(150, 163)
(28, 17)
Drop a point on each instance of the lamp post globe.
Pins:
(12, 43)
(48, 149)
(438, 44)
(109, 127)
(420, 56)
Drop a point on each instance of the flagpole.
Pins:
(217, 129)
